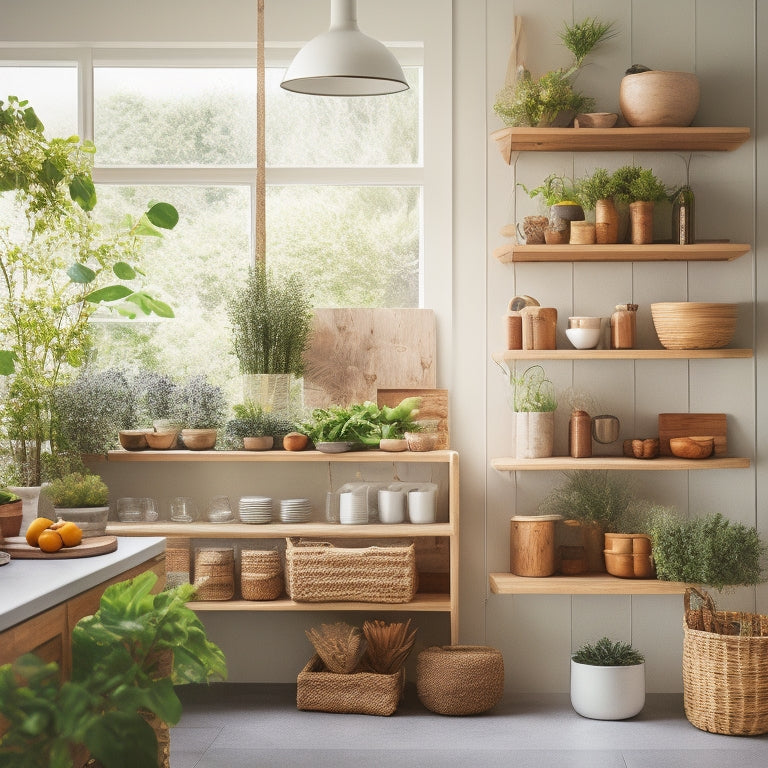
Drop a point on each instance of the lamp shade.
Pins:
(344, 61)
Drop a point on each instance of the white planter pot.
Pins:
(534, 434)
(607, 693)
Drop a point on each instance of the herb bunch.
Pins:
(606, 653)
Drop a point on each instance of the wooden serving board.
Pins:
(18, 549)
(434, 405)
(691, 424)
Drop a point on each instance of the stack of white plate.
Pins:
(353, 507)
(255, 509)
(295, 510)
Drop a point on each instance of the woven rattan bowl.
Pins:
(694, 324)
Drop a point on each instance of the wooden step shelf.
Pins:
(569, 464)
(714, 250)
(434, 603)
(588, 584)
(724, 353)
(695, 139)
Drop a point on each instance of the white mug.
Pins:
(391, 506)
(422, 506)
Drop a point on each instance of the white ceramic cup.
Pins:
(353, 509)
(422, 506)
(391, 506)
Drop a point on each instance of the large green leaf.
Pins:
(79, 273)
(7, 358)
(147, 304)
(82, 191)
(124, 271)
(163, 215)
(109, 293)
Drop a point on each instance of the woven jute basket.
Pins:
(215, 573)
(359, 693)
(177, 562)
(725, 676)
(318, 571)
(261, 574)
(459, 679)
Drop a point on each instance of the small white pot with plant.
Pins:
(532, 398)
(607, 680)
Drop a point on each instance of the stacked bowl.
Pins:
(255, 509)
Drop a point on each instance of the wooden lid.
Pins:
(535, 518)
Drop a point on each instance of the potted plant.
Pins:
(706, 550)
(153, 404)
(120, 700)
(532, 399)
(559, 195)
(253, 428)
(271, 321)
(200, 407)
(58, 266)
(642, 190)
(82, 498)
(552, 100)
(10, 514)
(595, 192)
(607, 680)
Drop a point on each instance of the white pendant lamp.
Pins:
(343, 61)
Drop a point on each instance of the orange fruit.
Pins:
(36, 527)
(50, 541)
(71, 534)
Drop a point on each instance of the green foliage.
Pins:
(706, 550)
(582, 37)
(599, 185)
(6, 497)
(531, 391)
(116, 672)
(77, 489)
(198, 404)
(554, 189)
(622, 179)
(647, 187)
(271, 322)
(251, 420)
(603, 498)
(364, 423)
(606, 653)
(153, 397)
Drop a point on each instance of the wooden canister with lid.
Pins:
(532, 545)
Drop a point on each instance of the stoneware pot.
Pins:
(659, 98)
(607, 693)
(91, 520)
(199, 439)
(534, 434)
(10, 519)
(133, 439)
(394, 445)
(263, 443)
(162, 439)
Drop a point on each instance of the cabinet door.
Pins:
(45, 635)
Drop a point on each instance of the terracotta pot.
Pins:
(641, 222)
(199, 439)
(263, 443)
(10, 519)
(295, 441)
(606, 222)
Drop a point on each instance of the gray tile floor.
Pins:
(258, 726)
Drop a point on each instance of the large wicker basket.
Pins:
(318, 571)
(725, 676)
(359, 693)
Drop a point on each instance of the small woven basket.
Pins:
(215, 573)
(725, 676)
(459, 679)
(261, 574)
(359, 693)
(177, 562)
(318, 571)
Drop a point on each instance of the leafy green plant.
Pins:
(58, 266)
(622, 179)
(116, 674)
(7, 497)
(647, 187)
(706, 550)
(198, 404)
(581, 38)
(77, 489)
(252, 420)
(271, 322)
(592, 497)
(554, 189)
(607, 653)
(364, 423)
(531, 391)
(599, 185)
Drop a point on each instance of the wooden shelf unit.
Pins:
(716, 250)
(725, 353)
(423, 602)
(569, 464)
(695, 139)
(588, 584)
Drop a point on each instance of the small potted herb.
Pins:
(532, 398)
(200, 407)
(595, 193)
(254, 428)
(82, 498)
(153, 393)
(607, 680)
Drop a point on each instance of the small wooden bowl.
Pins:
(595, 120)
(629, 565)
(162, 440)
(694, 447)
(645, 448)
(133, 439)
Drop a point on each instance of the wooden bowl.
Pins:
(645, 448)
(628, 565)
(659, 98)
(695, 447)
(133, 439)
(162, 440)
(694, 324)
(595, 120)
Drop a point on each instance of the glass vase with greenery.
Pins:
(58, 266)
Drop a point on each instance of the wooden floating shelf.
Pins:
(714, 250)
(568, 463)
(588, 584)
(422, 602)
(372, 456)
(277, 530)
(725, 353)
(696, 139)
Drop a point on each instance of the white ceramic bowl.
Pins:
(583, 338)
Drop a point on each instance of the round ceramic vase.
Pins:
(607, 693)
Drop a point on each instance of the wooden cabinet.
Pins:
(438, 592)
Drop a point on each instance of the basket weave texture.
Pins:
(177, 562)
(725, 676)
(359, 693)
(215, 573)
(459, 679)
(319, 572)
(261, 574)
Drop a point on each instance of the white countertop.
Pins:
(29, 587)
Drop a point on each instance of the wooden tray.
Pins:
(18, 549)
(689, 425)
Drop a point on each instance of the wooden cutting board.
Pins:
(434, 405)
(690, 424)
(355, 352)
(18, 549)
